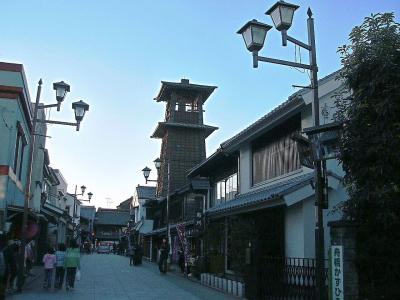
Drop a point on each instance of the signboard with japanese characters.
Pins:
(336, 291)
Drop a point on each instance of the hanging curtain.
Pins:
(275, 158)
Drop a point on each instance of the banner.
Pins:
(180, 228)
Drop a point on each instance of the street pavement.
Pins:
(109, 277)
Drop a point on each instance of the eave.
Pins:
(167, 87)
(162, 128)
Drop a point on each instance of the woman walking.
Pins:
(72, 262)
(49, 260)
(60, 271)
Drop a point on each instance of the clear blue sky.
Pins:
(115, 53)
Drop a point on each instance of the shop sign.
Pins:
(336, 273)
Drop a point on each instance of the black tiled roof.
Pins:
(161, 128)
(88, 212)
(280, 109)
(167, 87)
(126, 204)
(262, 195)
(112, 217)
(146, 192)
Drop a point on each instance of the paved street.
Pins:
(110, 277)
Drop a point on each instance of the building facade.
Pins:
(183, 135)
(260, 209)
(15, 137)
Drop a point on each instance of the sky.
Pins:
(115, 54)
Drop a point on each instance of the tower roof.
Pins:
(159, 132)
(184, 86)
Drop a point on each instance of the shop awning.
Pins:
(164, 229)
(146, 227)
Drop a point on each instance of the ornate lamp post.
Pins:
(146, 173)
(61, 89)
(254, 34)
(90, 195)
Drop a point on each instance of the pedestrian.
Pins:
(29, 257)
(60, 271)
(131, 254)
(2, 267)
(72, 262)
(181, 260)
(139, 253)
(49, 260)
(10, 258)
(164, 251)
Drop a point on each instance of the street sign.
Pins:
(305, 150)
(336, 291)
(324, 140)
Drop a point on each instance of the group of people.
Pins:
(63, 261)
(135, 253)
(9, 266)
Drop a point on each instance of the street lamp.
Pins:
(80, 108)
(157, 163)
(282, 17)
(254, 34)
(61, 89)
(146, 173)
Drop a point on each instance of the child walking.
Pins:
(49, 260)
(60, 271)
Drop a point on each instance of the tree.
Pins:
(370, 150)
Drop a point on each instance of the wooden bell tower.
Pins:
(183, 132)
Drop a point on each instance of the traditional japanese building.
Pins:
(260, 208)
(183, 132)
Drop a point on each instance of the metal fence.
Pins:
(288, 278)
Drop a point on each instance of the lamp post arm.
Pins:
(49, 106)
(299, 43)
(56, 122)
(256, 57)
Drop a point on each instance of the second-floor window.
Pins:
(276, 154)
(226, 189)
(20, 145)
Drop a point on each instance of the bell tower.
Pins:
(183, 132)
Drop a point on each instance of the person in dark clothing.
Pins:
(60, 271)
(164, 251)
(2, 267)
(139, 254)
(131, 254)
(181, 260)
(10, 258)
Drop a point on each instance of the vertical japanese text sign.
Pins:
(336, 273)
